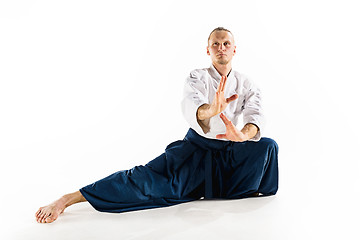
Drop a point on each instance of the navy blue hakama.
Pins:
(190, 169)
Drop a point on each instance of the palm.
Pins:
(220, 102)
(232, 133)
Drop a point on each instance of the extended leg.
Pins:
(165, 181)
(52, 211)
(174, 177)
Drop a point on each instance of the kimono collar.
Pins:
(215, 74)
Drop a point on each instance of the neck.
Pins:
(223, 69)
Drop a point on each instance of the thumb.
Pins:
(232, 98)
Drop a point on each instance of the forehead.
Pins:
(221, 36)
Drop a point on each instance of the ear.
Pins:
(207, 50)
(234, 50)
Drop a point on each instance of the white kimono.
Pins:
(200, 88)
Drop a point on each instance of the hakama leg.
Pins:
(174, 177)
(252, 167)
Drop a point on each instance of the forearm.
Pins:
(203, 112)
(203, 117)
(250, 130)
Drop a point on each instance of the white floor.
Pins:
(291, 214)
(263, 218)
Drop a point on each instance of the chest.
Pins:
(232, 87)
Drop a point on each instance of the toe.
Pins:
(42, 217)
(49, 219)
(37, 215)
(38, 212)
(46, 217)
(37, 218)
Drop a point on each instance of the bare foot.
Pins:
(50, 212)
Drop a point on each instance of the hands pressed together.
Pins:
(206, 111)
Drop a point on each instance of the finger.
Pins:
(232, 98)
(224, 82)
(220, 84)
(224, 119)
(216, 100)
(220, 136)
(228, 124)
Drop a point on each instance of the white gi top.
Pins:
(200, 88)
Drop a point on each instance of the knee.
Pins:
(270, 143)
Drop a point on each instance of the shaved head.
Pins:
(219, 29)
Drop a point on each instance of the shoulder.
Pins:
(198, 76)
(199, 73)
(244, 81)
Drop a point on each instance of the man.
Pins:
(215, 159)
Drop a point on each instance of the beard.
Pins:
(222, 61)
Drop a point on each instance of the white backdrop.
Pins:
(91, 87)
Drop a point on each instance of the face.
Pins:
(221, 47)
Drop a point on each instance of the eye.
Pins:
(226, 43)
(215, 44)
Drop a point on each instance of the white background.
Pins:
(88, 88)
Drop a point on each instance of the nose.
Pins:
(221, 46)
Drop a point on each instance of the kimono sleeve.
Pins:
(253, 111)
(195, 95)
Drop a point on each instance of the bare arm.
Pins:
(250, 130)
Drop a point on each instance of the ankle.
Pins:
(71, 198)
(64, 201)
